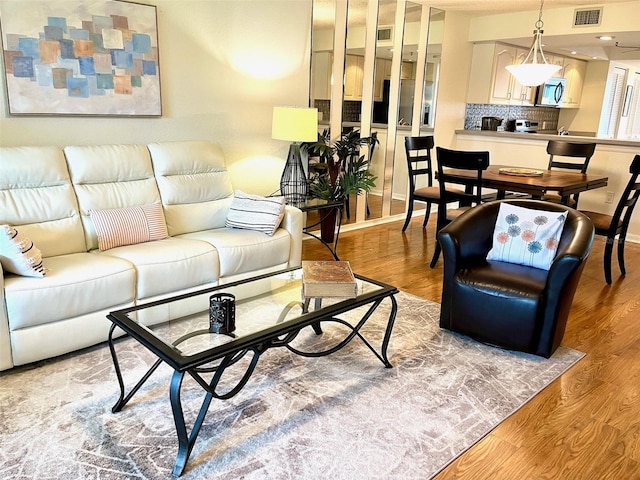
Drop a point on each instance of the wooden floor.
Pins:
(585, 425)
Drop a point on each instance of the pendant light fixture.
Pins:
(534, 69)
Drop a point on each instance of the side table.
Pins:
(326, 208)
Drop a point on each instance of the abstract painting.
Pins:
(92, 57)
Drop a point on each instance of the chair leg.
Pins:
(436, 254)
(346, 207)
(426, 215)
(409, 213)
(608, 249)
(621, 240)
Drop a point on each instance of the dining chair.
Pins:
(575, 156)
(420, 171)
(617, 224)
(467, 198)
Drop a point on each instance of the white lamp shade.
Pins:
(295, 124)
(532, 74)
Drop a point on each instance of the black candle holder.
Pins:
(222, 313)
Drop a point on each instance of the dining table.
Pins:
(530, 181)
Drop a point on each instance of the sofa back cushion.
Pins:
(36, 195)
(110, 176)
(194, 185)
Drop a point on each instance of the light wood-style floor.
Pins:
(585, 425)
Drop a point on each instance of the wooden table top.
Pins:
(564, 182)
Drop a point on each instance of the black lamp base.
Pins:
(293, 183)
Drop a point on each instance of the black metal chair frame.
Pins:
(617, 224)
(472, 194)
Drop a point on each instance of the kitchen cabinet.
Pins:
(558, 60)
(490, 82)
(353, 72)
(408, 71)
(574, 72)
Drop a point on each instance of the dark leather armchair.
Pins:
(508, 305)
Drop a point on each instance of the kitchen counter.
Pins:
(551, 135)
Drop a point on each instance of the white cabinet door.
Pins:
(353, 70)
(574, 72)
(502, 83)
(506, 88)
(558, 60)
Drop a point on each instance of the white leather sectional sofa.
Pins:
(47, 193)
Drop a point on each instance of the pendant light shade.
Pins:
(534, 69)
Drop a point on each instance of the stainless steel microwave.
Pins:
(551, 92)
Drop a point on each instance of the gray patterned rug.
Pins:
(340, 417)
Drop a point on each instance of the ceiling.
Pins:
(587, 46)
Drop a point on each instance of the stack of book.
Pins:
(328, 279)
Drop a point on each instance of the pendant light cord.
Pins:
(540, 23)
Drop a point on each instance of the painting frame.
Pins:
(86, 58)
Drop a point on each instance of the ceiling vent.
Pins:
(587, 17)
(385, 34)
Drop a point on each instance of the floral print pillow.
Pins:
(526, 236)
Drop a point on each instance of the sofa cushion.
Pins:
(526, 236)
(36, 196)
(194, 185)
(110, 176)
(253, 212)
(18, 254)
(75, 285)
(169, 265)
(116, 227)
(243, 251)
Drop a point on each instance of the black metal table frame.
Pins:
(279, 335)
(329, 207)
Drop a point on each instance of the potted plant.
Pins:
(340, 172)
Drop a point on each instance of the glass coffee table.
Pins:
(269, 313)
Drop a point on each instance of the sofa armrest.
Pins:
(293, 222)
(5, 341)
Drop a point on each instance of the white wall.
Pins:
(455, 66)
(587, 117)
(224, 64)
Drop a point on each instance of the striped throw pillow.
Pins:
(253, 212)
(116, 227)
(18, 254)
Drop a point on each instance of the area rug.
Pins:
(344, 416)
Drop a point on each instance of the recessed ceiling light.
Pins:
(605, 37)
(574, 52)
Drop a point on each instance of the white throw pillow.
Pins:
(18, 254)
(253, 212)
(116, 227)
(526, 236)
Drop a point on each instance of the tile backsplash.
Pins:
(545, 116)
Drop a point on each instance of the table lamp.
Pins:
(294, 124)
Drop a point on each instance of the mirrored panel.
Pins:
(432, 68)
(406, 101)
(381, 96)
(322, 59)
